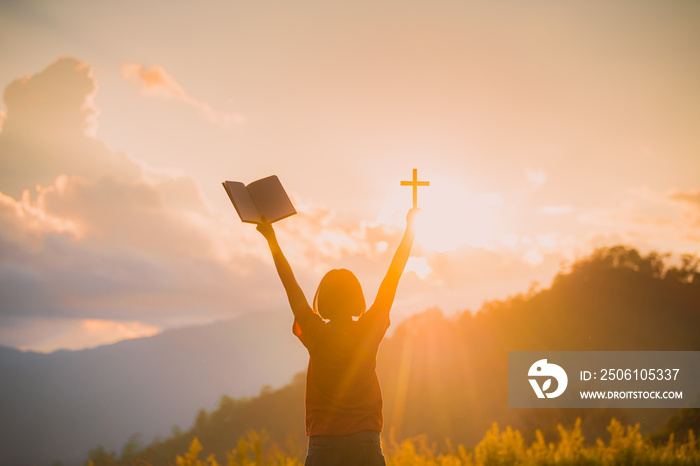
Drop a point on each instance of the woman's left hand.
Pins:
(265, 228)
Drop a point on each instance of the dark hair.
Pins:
(339, 296)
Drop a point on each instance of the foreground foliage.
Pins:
(625, 446)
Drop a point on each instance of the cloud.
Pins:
(49, 130)
(690, 197)
(122, 249)
(72, 334)
(649, 219)
(419, 266)
(155, 82)
(67, 83)
(689, 202)
(89, 236)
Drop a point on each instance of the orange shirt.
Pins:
(342, 389)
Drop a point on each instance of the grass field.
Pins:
(624, 446)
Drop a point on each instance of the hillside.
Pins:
(447, 377)
(57, 406)
(614, 300)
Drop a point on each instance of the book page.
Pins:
(242, 201)
(271, 199)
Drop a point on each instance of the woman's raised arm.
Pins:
(387, 290)
(295, 294)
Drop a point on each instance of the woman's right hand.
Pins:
(411, 216)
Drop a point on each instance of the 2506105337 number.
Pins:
(639, 374)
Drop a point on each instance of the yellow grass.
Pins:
(626, 446)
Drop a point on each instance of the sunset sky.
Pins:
(545, 128)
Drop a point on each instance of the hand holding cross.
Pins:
(415, 183)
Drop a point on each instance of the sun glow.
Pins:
(451, 216)
(419, 265)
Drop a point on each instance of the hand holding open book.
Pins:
(262, 198)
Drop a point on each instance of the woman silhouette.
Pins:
(343, 398)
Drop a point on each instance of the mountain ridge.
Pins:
(57, 406)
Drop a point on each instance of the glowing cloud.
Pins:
(89, 333)
(691, 197)
(419, 265)
(47, 130)
(156, 82)
(88, 235)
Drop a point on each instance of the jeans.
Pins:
(360, 449)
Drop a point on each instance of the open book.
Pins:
(263, 198)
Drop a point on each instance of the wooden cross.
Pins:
(415, 183)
